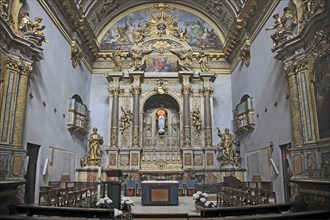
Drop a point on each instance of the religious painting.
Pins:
(135, 26)
(161, 64)
(322, 96)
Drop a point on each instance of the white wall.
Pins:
(99, 102)
(222, 106)
(54, 81)
(264, 80)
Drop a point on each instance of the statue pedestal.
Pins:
(90, 173)
(231, 170)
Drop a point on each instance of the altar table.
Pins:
(160, 193)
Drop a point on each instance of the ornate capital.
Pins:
(186, 90)
(135, 90)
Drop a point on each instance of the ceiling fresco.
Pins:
(174, 22)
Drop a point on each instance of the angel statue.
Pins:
(137, 56)
(116, 57)
(185, 56)
(283, 25)
(125, 119)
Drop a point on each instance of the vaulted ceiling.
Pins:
(86, 20)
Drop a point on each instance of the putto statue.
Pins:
(94, 156)
(283, 26)
(228, 147)
(203, 59)
(32, 30)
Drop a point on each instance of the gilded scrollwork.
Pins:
(4, 5)
(76, 53)
(245, 53)
(197, 120)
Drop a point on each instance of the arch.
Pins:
(164, 100)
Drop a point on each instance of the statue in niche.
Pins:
(196, 119)
(95, 143)
(203, 59)
(161, 118)
(125, 119)
(228, 147)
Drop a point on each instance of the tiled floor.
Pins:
(186, 205)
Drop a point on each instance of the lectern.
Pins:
(113, 187)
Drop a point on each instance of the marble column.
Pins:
(136, 78)
(114, 91)
(207, 78)
(21, 104)
(294, 106)
(186, 91)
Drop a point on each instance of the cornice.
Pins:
(65, 15)
(303, 43)
(17, 47)
(246, 27)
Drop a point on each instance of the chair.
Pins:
(181, 187)
(138, 188)
(130, 187)
(190, 187)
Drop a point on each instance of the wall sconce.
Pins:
(271, 147)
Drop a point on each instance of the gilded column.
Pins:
(136, 91)
(25, 71)
(186, 117)
(114, 91)
(207, 78)
(207, 119)
(294, 105)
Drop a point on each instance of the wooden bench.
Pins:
(31, 210)
(244, 210)
(315, 214)
(69, 194)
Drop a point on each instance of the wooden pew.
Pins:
(244, 210)
(315, 214)
(31, 210)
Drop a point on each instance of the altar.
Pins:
(160, 193)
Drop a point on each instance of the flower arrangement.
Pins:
(126, 203)
(200, 198)
(105, 202)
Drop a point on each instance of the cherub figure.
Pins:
(185, 56)
(116, 57)
(137, 56)
(203, 59)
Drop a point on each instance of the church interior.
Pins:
(162, 105)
